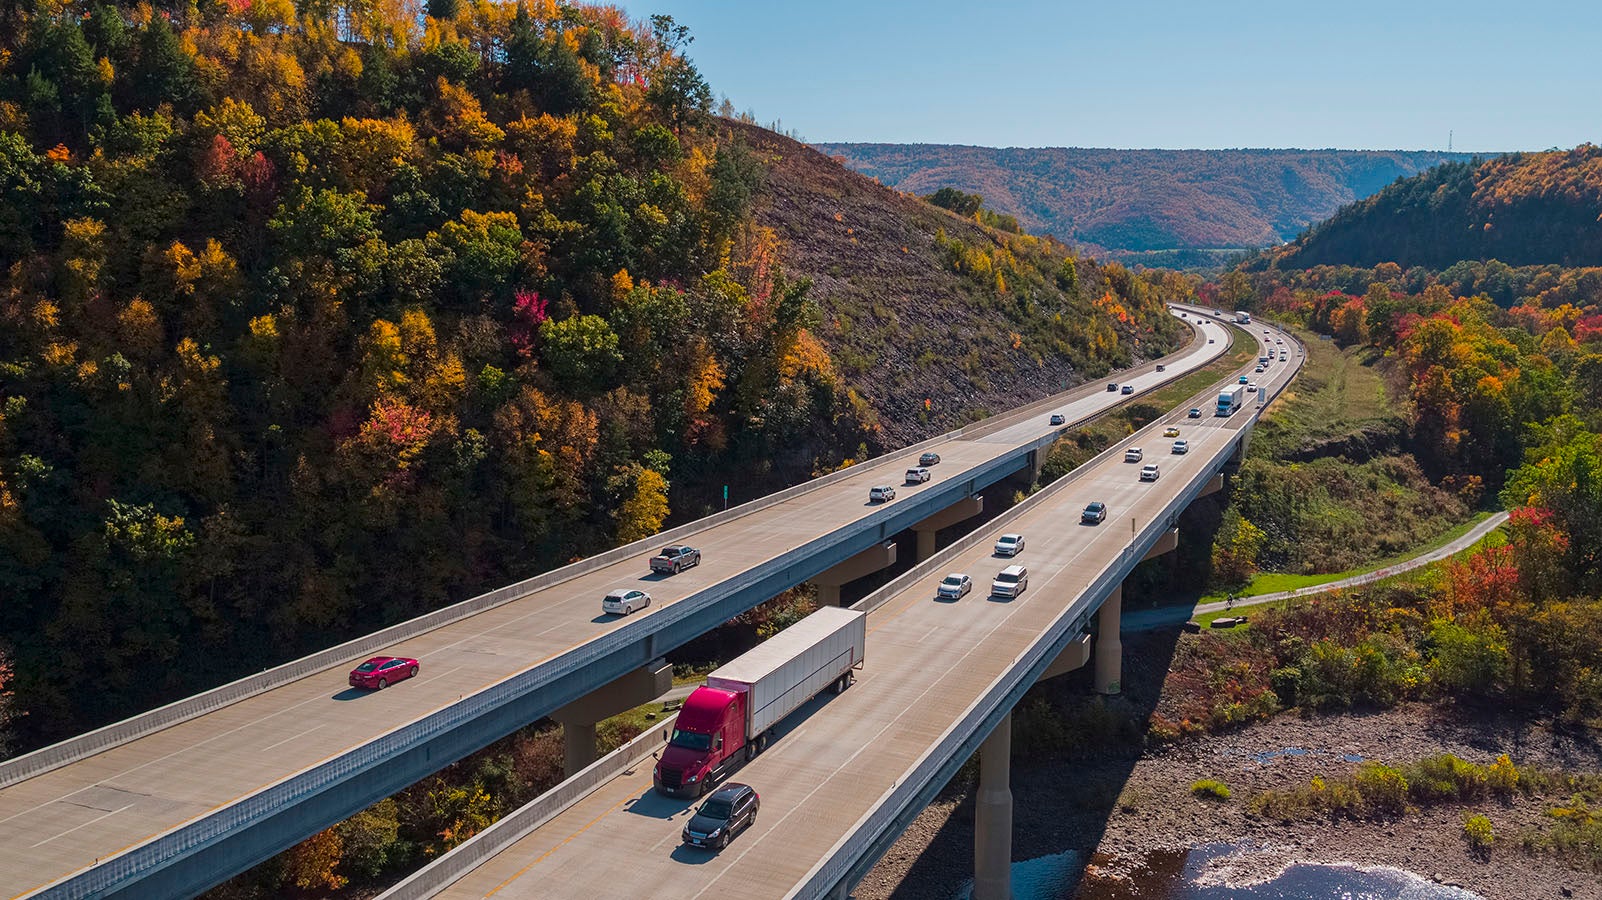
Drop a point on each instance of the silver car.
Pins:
(954, 586)
(623, 601)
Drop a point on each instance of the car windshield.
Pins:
(689, 740)
(1094, 507)
(952, 580)
(716, 809)
(1006, 576)
(367, 667)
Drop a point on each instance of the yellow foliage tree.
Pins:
(642, 513)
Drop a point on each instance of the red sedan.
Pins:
(382, 671)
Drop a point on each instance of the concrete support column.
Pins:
(1109, 648)
(966, 508)
(578, 718)
(871, 560)
(578, 746)
(992, 820)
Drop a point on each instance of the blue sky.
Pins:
(1159, 73)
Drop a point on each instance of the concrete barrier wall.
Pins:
(90, 743)
(444, 871)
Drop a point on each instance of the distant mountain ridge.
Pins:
(1522, 209)
(1136, 201)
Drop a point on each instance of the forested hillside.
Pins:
(1131, 201)
(318, 317)
(1523, 209)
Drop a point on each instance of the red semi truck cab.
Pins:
(733, 716)
(707, 740)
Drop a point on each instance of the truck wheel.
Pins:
(762, 742)
(841, 683)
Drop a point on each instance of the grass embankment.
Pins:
(1083, 443)
(1331, 482)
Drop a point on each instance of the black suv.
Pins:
(731, 808)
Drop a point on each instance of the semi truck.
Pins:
(733, 716)
(1230, 399)
(1242, 317)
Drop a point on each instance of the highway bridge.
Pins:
(170, 802)
(851, 771)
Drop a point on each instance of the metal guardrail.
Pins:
(202, 830)
(43, 760)
(936, 765)
(518, 824)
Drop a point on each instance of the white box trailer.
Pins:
(795, 665)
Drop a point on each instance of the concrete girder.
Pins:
(879, 556)
(951, 515)
(1074, 656)
(1213, 486)
(578, 718)
(1165, 544)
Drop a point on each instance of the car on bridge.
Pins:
(675, 559)
(1181, 448)
(882, 493)
(731, 809)
(918, 475)
(623, 601)
(1194, 413)
(1133, 454)
(1161, 367)
(954, 586)
(382, 671)
(929, 459)
(1128, 389)
(1094, 514)
(1150, 472)
(1172, 430)
(1251, 388)
(1009, 545)
(1010, 582)
(1244, 379)
(1057, 419)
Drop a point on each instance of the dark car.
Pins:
(731, 808)
(1094, 514)
(382, 671)
(929, 459)
(1129, 389)
(1195, 413)
(675, 559)
(1057, 419)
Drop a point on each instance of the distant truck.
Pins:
(1242, 317)
(1230, 399)
(732, 717)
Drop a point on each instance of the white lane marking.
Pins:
(76, 827)
(293, 737)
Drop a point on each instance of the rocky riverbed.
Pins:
(1121, 813)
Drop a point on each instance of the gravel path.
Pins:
(1147, 619)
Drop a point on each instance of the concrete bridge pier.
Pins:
(1214, 485)
(1109, 646)
(867, 562)
(951, 515)
(578, 719)
(992, 822)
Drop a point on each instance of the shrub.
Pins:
(1444, 777)
(1502, 777)
(1471, 656)
(1384, 789)
(1210, 789)
(1477, 831)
